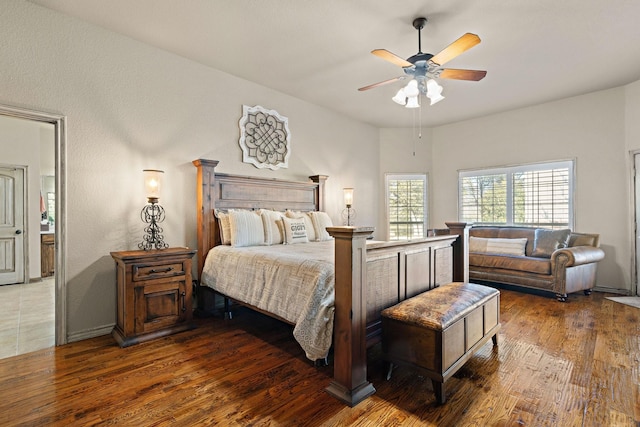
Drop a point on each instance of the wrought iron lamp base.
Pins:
(152, 214)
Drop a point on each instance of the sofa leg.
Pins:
(587, 291)
(561, 297)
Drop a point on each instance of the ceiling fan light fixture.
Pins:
(400, 97)
(412, 102)
(436, 99)
(434, 91)
(421, 66)
(411, 90)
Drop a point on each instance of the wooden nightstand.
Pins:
(47, 254)
(153, 294)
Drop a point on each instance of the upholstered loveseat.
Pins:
(558, 261)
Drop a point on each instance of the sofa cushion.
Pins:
(497, 245)
(508, 262)
(548, 241)
(506, 233)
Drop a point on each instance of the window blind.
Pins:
(538, 195)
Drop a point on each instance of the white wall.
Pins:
(402, 151)
(588, 128)
(632, 115)
(130, 106)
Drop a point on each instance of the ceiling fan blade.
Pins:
(464, 43)
(395, 79)
(391, 57)
(452, 73)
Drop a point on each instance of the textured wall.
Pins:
(130, 106)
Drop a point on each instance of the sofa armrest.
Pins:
(576, 255)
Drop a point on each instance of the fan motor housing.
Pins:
(419, 57)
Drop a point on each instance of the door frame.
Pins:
(60, 136)
(635, 209)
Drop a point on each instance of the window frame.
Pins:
(509, 171)
(425, 199)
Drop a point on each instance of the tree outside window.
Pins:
(406, 206)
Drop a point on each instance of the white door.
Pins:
(11, 225)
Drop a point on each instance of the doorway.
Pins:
(59, 141)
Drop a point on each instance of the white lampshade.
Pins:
(411, 90)
(152, 183)
(400, 97)
(435, 99)
(412, 102)
(348, 196)
(434, 91)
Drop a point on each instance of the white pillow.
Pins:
(246, 228)
(320, 223)
(498, 245)
(225, 227)
(272, 223)
(295, 230)
(311, 232)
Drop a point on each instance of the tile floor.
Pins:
(27, 317)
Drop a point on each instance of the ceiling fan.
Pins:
(424, 67)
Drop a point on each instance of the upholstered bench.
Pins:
(439, 330)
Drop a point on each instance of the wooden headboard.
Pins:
(223, 191)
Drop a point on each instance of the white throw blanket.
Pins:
(295, 282)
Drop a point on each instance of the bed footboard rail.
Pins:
(371, 276)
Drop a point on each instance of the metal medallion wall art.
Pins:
(264, 138)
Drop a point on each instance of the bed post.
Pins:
(206, 199)
(349, 382)
(460, 250)
(320, 180)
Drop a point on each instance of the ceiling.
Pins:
(319, 51)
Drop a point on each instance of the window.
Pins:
(537, 195)
(406, 206)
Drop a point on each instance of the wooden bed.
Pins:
(369, 276)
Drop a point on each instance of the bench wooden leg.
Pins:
(495, 340)
(438, 389)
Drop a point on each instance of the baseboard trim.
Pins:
(90, 333)
(613, 290)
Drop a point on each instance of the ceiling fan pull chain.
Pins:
(420, 122)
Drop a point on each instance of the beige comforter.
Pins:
(295, 282)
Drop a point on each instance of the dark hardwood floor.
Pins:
(571, 364)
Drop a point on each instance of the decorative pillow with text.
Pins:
(311, 233)
(295, 230)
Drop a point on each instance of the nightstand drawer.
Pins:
(157, 271)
